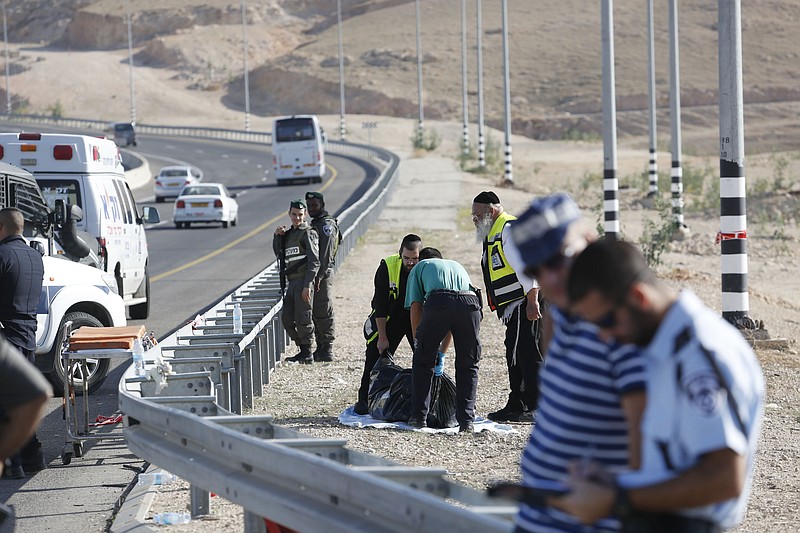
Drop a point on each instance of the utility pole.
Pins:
(509, 174)
(8, 75)
(610, 185)
(651, 84)
(421, 128)
(732, 236)
(130, 64)
(246, 73)
(464, 91)
(481, 136)
(680, 229)
(342, 125)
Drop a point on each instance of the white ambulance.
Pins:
(71, 292)
(87, 172)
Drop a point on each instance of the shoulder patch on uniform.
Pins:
(328, 229)
(703, 390)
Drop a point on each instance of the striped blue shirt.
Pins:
(579, 414)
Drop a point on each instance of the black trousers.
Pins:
(31, 448)
(396, 331)
(459, 314)
(640, 522)
(523, 358)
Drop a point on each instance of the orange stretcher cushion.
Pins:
(90, 338)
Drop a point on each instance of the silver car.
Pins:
(171, 180)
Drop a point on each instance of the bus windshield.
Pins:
(294, 129)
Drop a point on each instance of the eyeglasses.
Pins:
(554, 263)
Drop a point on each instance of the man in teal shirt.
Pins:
(443, 303)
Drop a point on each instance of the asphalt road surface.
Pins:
(190, 270)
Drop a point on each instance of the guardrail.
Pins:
(191, 422)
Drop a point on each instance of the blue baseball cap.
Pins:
(538, 234)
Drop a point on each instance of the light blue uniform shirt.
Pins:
(689, 413)
(435, 274)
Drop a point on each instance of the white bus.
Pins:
(298, 149)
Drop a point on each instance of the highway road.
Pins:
(190, 270)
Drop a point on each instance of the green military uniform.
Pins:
(327, 228)
(300, 249)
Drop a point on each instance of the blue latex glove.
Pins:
(439, 368)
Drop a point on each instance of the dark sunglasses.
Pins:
(554, 263)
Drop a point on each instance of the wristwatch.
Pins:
(622, 504)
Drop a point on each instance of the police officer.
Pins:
(705, 400)
(389, 320)
(515, 299)
(21, 275)
(297, 247)
(327, 228)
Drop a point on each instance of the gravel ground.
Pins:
(309, 398)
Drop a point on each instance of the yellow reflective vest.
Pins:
(394, 264)
(502, 285)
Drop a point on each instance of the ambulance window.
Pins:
(64, 189)
(28, 200)
(132, 200)
(126, 204)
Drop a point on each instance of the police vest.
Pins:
(502, 284)
(295, 252)
(394, 264)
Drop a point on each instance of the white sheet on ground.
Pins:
(349, 418)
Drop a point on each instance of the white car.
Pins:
(206, 202)
(171, 180)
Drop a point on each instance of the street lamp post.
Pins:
(5, 41)
(246, 73)
(481, 137)
(421, 129)
(509, 174)
(342, 125)
(130, 64)
(464, 92)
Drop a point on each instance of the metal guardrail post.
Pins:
(199, 501)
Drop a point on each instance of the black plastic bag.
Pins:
(399, 404)
(381, 378)
(442, 412)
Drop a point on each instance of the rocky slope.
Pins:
(292, 56)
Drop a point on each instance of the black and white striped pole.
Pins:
(651, 84)
(676, 172)
(342, 125)
(464, 91)
(732, 236)
(421, 128)
(481, 135)
(509, 174)
(610, 185)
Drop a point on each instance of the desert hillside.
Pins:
(194, 49)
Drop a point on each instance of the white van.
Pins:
(87, 172)
(298, 149)
(71, 292)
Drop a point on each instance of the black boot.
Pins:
(304, 357)
(323, 353)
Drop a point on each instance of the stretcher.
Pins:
(80, 345)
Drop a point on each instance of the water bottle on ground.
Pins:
(237, 318)
(168, 519)
(138, 357)
(156, 478)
